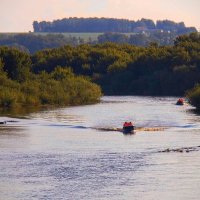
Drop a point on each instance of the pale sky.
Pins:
(18, 15)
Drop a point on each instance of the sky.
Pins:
(18, 15)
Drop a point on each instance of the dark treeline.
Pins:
(31, 43)
(109, 25)
(19, 86)
(162, 38)
(130, 70)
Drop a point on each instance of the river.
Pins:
(62, 153)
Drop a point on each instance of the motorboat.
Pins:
(128, 128)
(180, 102)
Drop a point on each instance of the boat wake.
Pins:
(136, 129)
(26, 122)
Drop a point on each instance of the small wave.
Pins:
(185, 127)
(80, 127)
(69, 126)
(59, 125)
(181, 150)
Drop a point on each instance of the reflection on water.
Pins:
(10, 130)
(64, 154)
(18, 111)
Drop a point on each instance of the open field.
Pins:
(86, 36)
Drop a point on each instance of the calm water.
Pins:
(58, 154)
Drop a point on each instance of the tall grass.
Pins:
(45, 89)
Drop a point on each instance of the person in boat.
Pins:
(180, 102)
(128, 127)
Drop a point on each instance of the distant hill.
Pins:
(99, 25)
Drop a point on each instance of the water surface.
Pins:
(61, 154)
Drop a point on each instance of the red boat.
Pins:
(128, 127)
(180, 102)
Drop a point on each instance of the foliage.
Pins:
(77, 31)
(64, 75)
(194, 96)
(30, 42)
(60, 87)
(108, 25)
(33, 42)
(126, 69)
(15, 63)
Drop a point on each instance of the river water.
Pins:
(62, 154)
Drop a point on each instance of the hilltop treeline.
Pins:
(109, 25)
(130, 70)
(20, 86)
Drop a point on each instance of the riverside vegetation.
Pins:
(20, 86)
(64, 75)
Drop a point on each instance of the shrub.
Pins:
(194, 96)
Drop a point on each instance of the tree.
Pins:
(16, 63)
